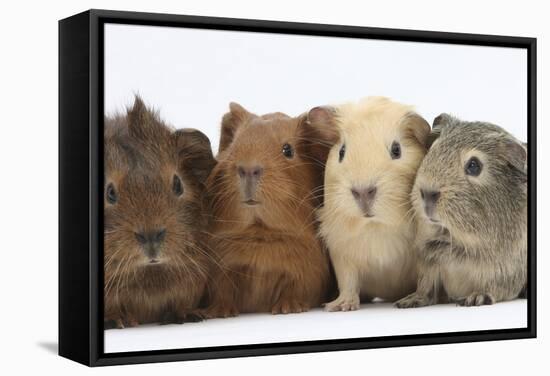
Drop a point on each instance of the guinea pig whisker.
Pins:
(408, 216)
(111, 258)
(230, 221)
(115, 276)
(127, 274)
(198, 267)
(318, 192)
(286, 192)
(182, 264)
(220, 181)
(334, 205)
(119, 280)
(221, 200)
(297, 165)
(203, 252)
(304, 224)
(213, 187)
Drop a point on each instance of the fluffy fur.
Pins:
(263, 225)
(473, 243)
(155, 262)
(371, 246)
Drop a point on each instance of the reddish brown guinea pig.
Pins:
(263, 193)
(156, 261)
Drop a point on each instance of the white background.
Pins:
(190, 76)
(28, 193)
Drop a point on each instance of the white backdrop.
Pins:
(28, 193)
(191, 75)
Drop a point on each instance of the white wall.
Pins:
(28, 193)
(191, 75)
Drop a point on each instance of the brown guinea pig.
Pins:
(155, 261)
(263, 193)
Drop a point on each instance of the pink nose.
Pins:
(254, 172)
(250, 177)
(364, 194)
(430, 199)
(365, 199)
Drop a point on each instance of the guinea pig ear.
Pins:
(418, 128)
(231, 121)
(440, 122)
(194, 153)
(318, 132)
(515, 153)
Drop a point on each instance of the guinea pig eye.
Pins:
(287, 151)
(110, 194)
(177, 186)
(473, 167)
(395, 150)
(342, 153)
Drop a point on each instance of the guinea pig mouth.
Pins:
(153, 262)
(432, 219)
(251, 202)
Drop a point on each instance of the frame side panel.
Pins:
(532, 193)
(74, 137)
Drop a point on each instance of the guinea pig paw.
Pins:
(113, 324)
(170, 317)
(475, 299)
(131, 322)
(182, 317)
(413, 300)
(192, 316)
(343, 303)
(219, 312)
(289, 306)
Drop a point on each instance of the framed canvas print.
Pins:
(234, 187)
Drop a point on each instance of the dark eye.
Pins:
(395, 150)
(177, 186)
(342, 153)
(287, 151)
(110, 194)
(473, 167)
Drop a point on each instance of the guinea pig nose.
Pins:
(371, 192)
(430, 196)
(364, 193)
(160, 235)
(140, 237)
(155, 236)
(250, 172)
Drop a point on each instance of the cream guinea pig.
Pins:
(367, 221)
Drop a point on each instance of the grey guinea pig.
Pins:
(471, 192)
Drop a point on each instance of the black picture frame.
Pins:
(80, 182)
